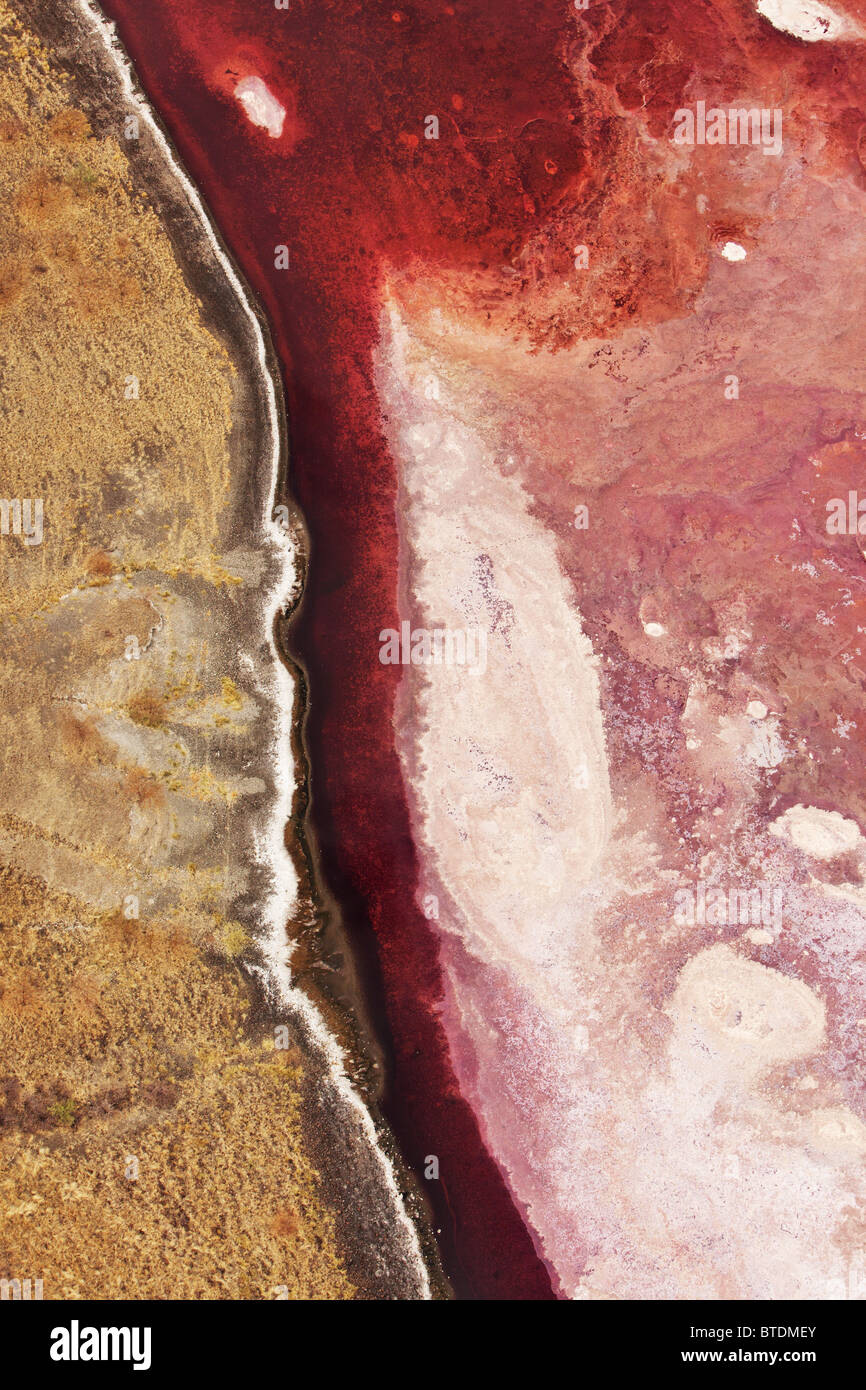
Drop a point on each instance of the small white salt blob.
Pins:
(822, 834)
(756, 709)
(654, 629)
(261, 106)
(733, 251)
(808, 20)
(759, 937)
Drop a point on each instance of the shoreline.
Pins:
(323, 317)
(274, 977)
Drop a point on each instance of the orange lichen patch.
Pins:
(143, 789)
(43, 199)
(148, 708)
(99, 565)
(13, 279)
(22, 898)
(285, 1224)
(288, 1058)
(64, 248)
(69, 127)
(80, 740)
(84, 994)
(11, 130)
(97, 292)
(20, 994)
(156, 942)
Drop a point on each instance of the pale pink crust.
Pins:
(675, 1099)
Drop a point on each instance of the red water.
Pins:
(350, 186)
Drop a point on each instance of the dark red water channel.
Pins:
(351, 185)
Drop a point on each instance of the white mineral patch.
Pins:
(743, 1016)
(261, 105)
(733, 251)
(822, 834)
(759, 937)
(766, 748)
(511, 781)
(762, 744)
(807, 20)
